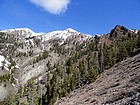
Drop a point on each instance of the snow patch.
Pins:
(4, 63)
(13, 84)
(98, 35)
(63, 34)
(24, 30)
(70, 30)
(136, 32)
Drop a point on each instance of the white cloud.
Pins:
(53, 6)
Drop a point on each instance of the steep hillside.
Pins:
(22, 44)
(28, 57)
(41, 68)
(119, 85)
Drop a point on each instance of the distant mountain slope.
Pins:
(119, 85)
(26, 32)
(18, 42)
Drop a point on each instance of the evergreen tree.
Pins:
(122, 53)
(93, 74)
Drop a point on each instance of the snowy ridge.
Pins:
(70, 30)
(64, 34)
(23, 30)
(135, 31)
(61, 34)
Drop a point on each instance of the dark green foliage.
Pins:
(93, 74)
(37, 101)
(138, 40)
(69, 62)
(122, 53)
(13, 63)
(30, 52)
(5, 78)
(45, 54)
(42, 56)
(109, 56)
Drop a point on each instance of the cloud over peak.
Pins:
(53, 6)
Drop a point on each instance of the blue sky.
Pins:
(86, 16)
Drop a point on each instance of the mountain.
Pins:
(24, 52)
(118, 85)
(28, 43)
(121, 31)
(63, 34)
(40, 68)
(20, 31)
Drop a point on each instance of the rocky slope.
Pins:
(24, 55)
(119, 85)
(39, 68)
(22, 44)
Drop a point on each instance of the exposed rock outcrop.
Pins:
(120, 32)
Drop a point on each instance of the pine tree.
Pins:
(93, 74)
(122, 54)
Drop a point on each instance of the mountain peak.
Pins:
(21, 30)
(70, 30)
(119, 27)
(119, 31)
